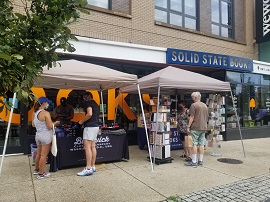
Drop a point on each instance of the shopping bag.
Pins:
(188, 141)
(54, 144)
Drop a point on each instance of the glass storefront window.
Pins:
(251, 78)
(233, 77)
(265, 80)
(251, 105)
(230, 113)
(251, 99)
(14, 132)
(264, 110)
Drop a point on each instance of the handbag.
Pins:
(188, 141)
(54, 143)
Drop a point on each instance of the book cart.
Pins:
(216, 122)
(160, 131)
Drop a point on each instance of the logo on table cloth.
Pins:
(78, 144)
(103, 142)
(103, 139)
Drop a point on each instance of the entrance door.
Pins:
(17, 134)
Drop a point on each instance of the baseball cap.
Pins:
(43, 99)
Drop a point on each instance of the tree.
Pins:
(29, 40)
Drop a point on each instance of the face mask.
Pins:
(84, 99)
(47, 106)
(180, 108)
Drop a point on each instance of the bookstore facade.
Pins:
(250, 87)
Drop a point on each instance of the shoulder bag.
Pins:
(54, 144)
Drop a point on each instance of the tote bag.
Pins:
(54, 144)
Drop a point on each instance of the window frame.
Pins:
(230, 18)
(169, 11)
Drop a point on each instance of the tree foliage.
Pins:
(29, 40)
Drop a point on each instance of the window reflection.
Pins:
(215, 11)
(161, 3)
(176, 19)
(161, 16)
(224, 13)
(251, 78)
(190, 23)
(224, 32)
(190, 7)
(265, 79)
(176, 5)
(99, 3)
(233, 77)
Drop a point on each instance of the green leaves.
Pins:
(4, 56)
(29, 40)
(17, 56)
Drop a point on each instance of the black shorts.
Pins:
(182, 136)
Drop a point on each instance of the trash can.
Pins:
(34, 150)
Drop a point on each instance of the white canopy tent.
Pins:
(73, 74)
(171, 80)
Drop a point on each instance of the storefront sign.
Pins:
(175, 141)
(262, 21)
(261, 68)
(193, 58)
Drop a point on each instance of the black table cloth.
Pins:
(112, 145)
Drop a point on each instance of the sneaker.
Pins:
(94, 169)
(200, 163)
(35, 172)
(190, 163)
(85, 172)
(43, 175)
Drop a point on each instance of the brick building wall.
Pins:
(133, 21)
(140, 28)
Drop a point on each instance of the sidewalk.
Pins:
(134, 181)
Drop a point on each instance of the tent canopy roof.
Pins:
(174, 80)
(73, 74)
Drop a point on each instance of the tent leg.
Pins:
(7, 133)
(145, 127)
(103, 122)
(240, 132)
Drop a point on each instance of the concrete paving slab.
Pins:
(15, 169)
(108, 185)
(74, 171)
(175, 178)
(19, 191)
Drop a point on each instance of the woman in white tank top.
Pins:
(43, 123)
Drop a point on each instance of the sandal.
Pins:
(183, 156)
(188, 159)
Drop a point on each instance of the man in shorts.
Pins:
(90, 132)
(197, 127)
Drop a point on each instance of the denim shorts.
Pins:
(198, 137)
